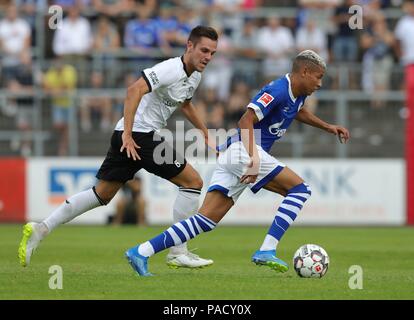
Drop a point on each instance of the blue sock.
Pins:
(176, 234)
(286, 214)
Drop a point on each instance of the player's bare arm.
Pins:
(191, 114)
(246, 124)
(134, 94)
(305, 116)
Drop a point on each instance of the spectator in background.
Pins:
(73, 41)
(184, 26)
(311, 37)
(106, 41)
(218, 76)
(29, 9)
(96, 104)
(166, 23)
(215, 118)
(113, 7)
(236, 105)
(23, 84)
(322, 13)
(227, 15)
(141, 36)
(59, 81)
(15, 35)
(277, 44)
(131, 205)
(245, 47)
(118, 106)
(74, 37)
(345, 44)
(377, 61)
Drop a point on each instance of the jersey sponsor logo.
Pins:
(64, 182)
(275, 129)
(153, 77)
(170, 103)
(265, 99)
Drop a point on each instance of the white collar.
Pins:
(292, 97)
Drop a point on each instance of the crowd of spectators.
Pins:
(106, 43)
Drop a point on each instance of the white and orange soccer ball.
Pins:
(311, 261)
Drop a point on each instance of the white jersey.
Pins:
(169, 87)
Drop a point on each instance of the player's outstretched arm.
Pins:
(305, 116)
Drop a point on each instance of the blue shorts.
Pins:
(60, 115)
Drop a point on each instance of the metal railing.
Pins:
(336, 106)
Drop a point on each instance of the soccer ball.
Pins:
(311, 261)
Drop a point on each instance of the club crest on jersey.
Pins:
(265, 99)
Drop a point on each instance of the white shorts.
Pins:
(231, 166)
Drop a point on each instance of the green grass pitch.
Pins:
(94, 266)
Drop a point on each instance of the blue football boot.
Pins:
(138, 262)
(268, 258)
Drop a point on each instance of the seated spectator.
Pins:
(130, 208)
(100, 105)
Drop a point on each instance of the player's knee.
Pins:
(103, 197)
(195, 183)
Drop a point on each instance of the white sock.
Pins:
(269, 243)
(73, 207)
(185, 206)
(146, 249)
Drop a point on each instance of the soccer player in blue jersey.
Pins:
(246, 162)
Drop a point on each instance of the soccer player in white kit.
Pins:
(247, 163)
(149, 103)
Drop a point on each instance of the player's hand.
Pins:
(341, 132)
(252, 172)
(130, 146)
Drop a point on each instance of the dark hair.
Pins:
(202, 31)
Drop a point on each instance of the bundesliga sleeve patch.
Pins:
(265, 99)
